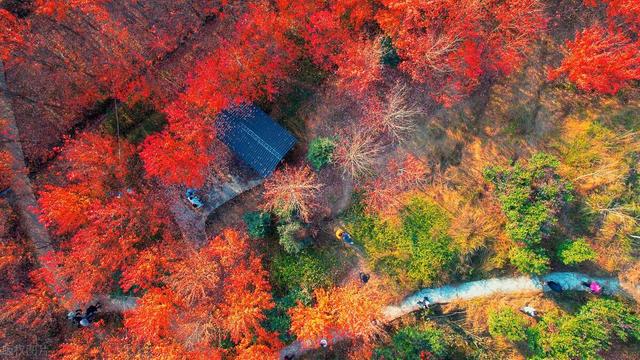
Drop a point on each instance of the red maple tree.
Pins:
(352, 310)
(11, 34)
(250, 64)
(600, 60)
(621, 12)
(180, 154)
(450, 44)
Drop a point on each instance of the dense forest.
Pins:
(320, 179)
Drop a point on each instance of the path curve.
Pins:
(480, 289)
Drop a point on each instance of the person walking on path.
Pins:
(424, 303)
(554, 286)
(530, 310)
(364, 277)
(593, 287)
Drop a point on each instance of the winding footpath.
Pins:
(480, 289)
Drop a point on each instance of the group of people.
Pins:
(593, 286)
(85, 320)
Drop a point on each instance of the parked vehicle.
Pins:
(194, 199)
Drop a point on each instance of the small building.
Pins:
(254, 137)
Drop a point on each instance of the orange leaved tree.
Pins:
(352, 311)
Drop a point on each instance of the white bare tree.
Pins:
(358, 152)
(398, 119)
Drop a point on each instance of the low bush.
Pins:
(416, 250)
(531, 196)
(306, 270)
(258, 224)
(575, 252)
(413, 342)
(529, 261)
(508, 324)
(320, 152)
(288, 236)
(584, 335)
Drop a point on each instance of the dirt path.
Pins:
(20, 183)
(25, 202)
(499, 286)
(24, 198)
(479, 289)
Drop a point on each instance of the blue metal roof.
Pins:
(254, 137)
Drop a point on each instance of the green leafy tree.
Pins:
(320, 152)
(288, 236)
(575, 252)
(424, 229)
(508, 324)
(258, 223)
(390, 56)
(531, 196)
(414, 342)
(417, 250)
(307, 270)
(583, 335)
(529, 261)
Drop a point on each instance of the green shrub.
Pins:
(531, 197)
(277, 319)
(288, 236)
(416, 251)
(320, 152)
(307, 270)
(584, 335)
(389, 54)
(424, 227)
(411, 342)
(529, 261)
(258, 223)
(575, 252)
(508, 324)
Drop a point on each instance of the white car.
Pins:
(193, 198)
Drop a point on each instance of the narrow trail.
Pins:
(498, 286)
(480, 289)
(25, 202)
(24, 198)
(20, 183)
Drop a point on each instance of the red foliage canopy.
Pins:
(449, 44)
(248, 66)
(352, 310)
(601, 60)
(627, 11)
(180, 154)
(11, 34)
